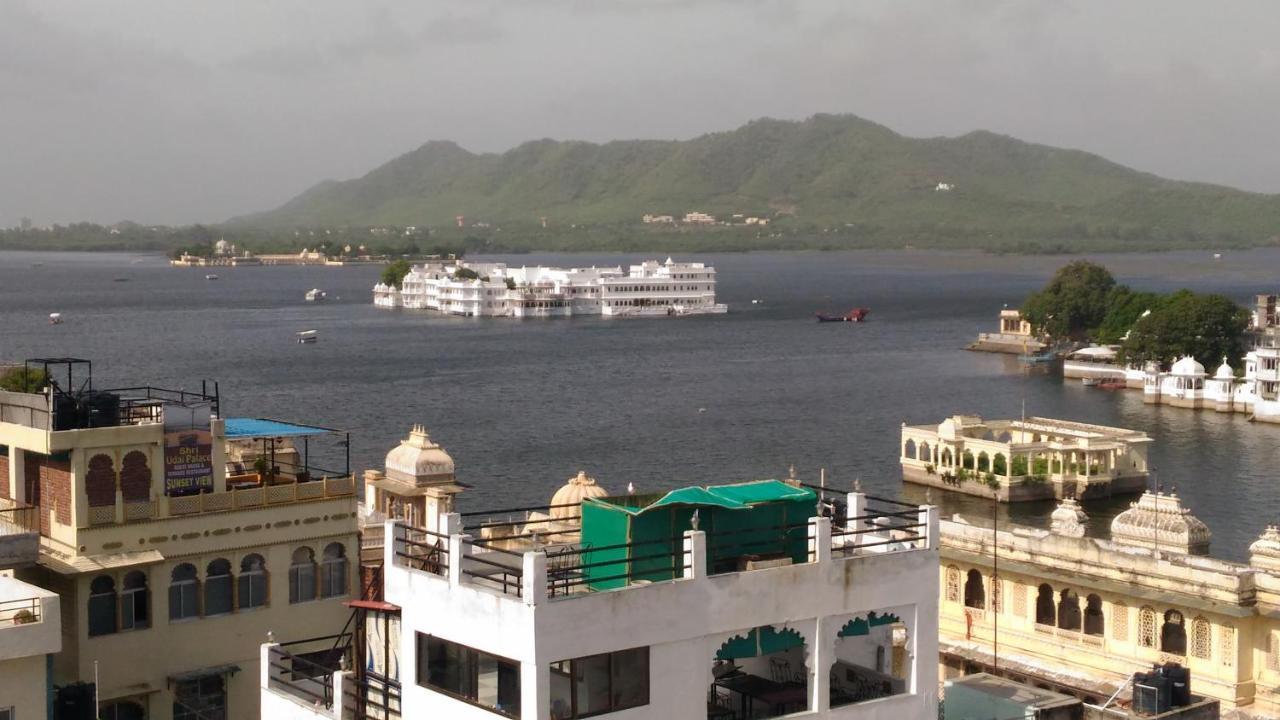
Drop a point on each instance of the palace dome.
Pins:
(1068, 519)
(1159, 520)
(575, 490)
(1225, 372)
(1187, 366)
(1264, 553)
(418, 460)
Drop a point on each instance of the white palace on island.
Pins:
(651, 288)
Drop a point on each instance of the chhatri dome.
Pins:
(1068, 519)
(1224, 371)
(575, 490)
(1159, 520)
(419, 461)
(1264, 553)
(1187, 365)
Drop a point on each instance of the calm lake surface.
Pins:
(522, 405)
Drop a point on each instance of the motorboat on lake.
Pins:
(211, 276)
(306, 337)
(316, 295)
(55, 318)
(855, 315)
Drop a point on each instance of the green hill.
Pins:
(829, 181)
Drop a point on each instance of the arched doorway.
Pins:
(1173, 634)
(760, 673)
(870, 659)
(974, 594)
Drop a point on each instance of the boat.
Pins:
(307, 337)
(1037, 358)
(854, 315)
(211, 276)
(1089, 381)
(1113, 384)
(55, 318)
(119, 279)
(316, 295)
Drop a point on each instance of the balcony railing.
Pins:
(17, 518)
(235, 498)
(23, 611)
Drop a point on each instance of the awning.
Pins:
(733, 497)
(227, 669)
(243, 428)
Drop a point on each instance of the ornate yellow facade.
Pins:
(1081, 615)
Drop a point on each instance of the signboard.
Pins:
(188, 451)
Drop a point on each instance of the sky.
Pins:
(176, 112)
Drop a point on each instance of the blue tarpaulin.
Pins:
(241, 428)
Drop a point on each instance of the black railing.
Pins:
(424, 550)
(17, 518)
(509, 576)
(375, 697)
(304, 678)
(564, 573)
(22, 611)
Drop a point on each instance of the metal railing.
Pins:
(504, 576)
(306, 679)
(373, 697)
(565, 574)
(23, 611)
(424, 550)
(18, 518)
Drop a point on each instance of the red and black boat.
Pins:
(855, 315)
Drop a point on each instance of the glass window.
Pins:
(134, 602)
(102, 606)
(253, 582)
(302, 576)
(202, 699)
(122, 710)
(217, 588)
(597, 684)
(184, 593)
(333, 571)
(468, 674)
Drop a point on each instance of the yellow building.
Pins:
(173, 560)
(1080, 615)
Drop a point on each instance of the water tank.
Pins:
(103, 409)
(1151, 693)
(1180, 679)
(73, 702)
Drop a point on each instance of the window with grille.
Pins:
(1120, 622)
(1201, 638)
(1227, 645)
(953, 584)
(1019, 600)
(1273, 653)
(1147, 627)
(997, 594)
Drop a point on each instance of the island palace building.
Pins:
(1056, 609)
(757, 599)
(161, 542)
(651, 288)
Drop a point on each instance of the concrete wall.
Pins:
(24, 685)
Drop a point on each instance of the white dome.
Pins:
(1225, 372)
(575, 490)
(1160, 520)
(1187, 366)
(416, 459)
(1265, 551)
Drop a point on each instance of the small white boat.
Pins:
(55, 318)
(1089, 381)
(307, 337)
(211, 276)
(1217, 256)
(316, 295)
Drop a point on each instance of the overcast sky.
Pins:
(164, 111)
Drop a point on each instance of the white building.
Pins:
(30, 633)
(756, 606)
(495, 290)
(699, 218)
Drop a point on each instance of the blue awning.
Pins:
(242, 428)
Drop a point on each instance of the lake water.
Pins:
(522, 405)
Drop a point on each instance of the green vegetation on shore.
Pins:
(1083, 302)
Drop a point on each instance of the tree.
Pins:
(464, 273)
(1073, 303)
(1206, 327)
(1124, 308)
(394, 273)
(18, 379)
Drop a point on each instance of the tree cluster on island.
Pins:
(1084, 302)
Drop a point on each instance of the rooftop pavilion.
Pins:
(755, 599)
(1029, 459)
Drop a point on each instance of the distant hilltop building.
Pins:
(699, 218)
(658, 220)
(944, 187)
(495, 290)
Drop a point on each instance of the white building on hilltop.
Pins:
(496, 290)
(726, 601)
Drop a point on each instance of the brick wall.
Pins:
(53, 490)
(135, 477)
(4, 472)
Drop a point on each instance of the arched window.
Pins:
(926, 453)
(102, 606)
(253, 582)
(302, 576)
(909, 450)
(1094, 622)
(1227, 645)
(217, 588)
(974, 594)
(135, 602)
(100, 481)
(984, 462)
(1173, 634)
(967, 460)
(1147, 627)
(184, 592)
(1045, 613)
(333, 571)
(953, 583)
(135, 477)
(946, 457)
(1201, 638)
(1019, 608)
(1069, 610)
(999, 464)
(997, 594)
